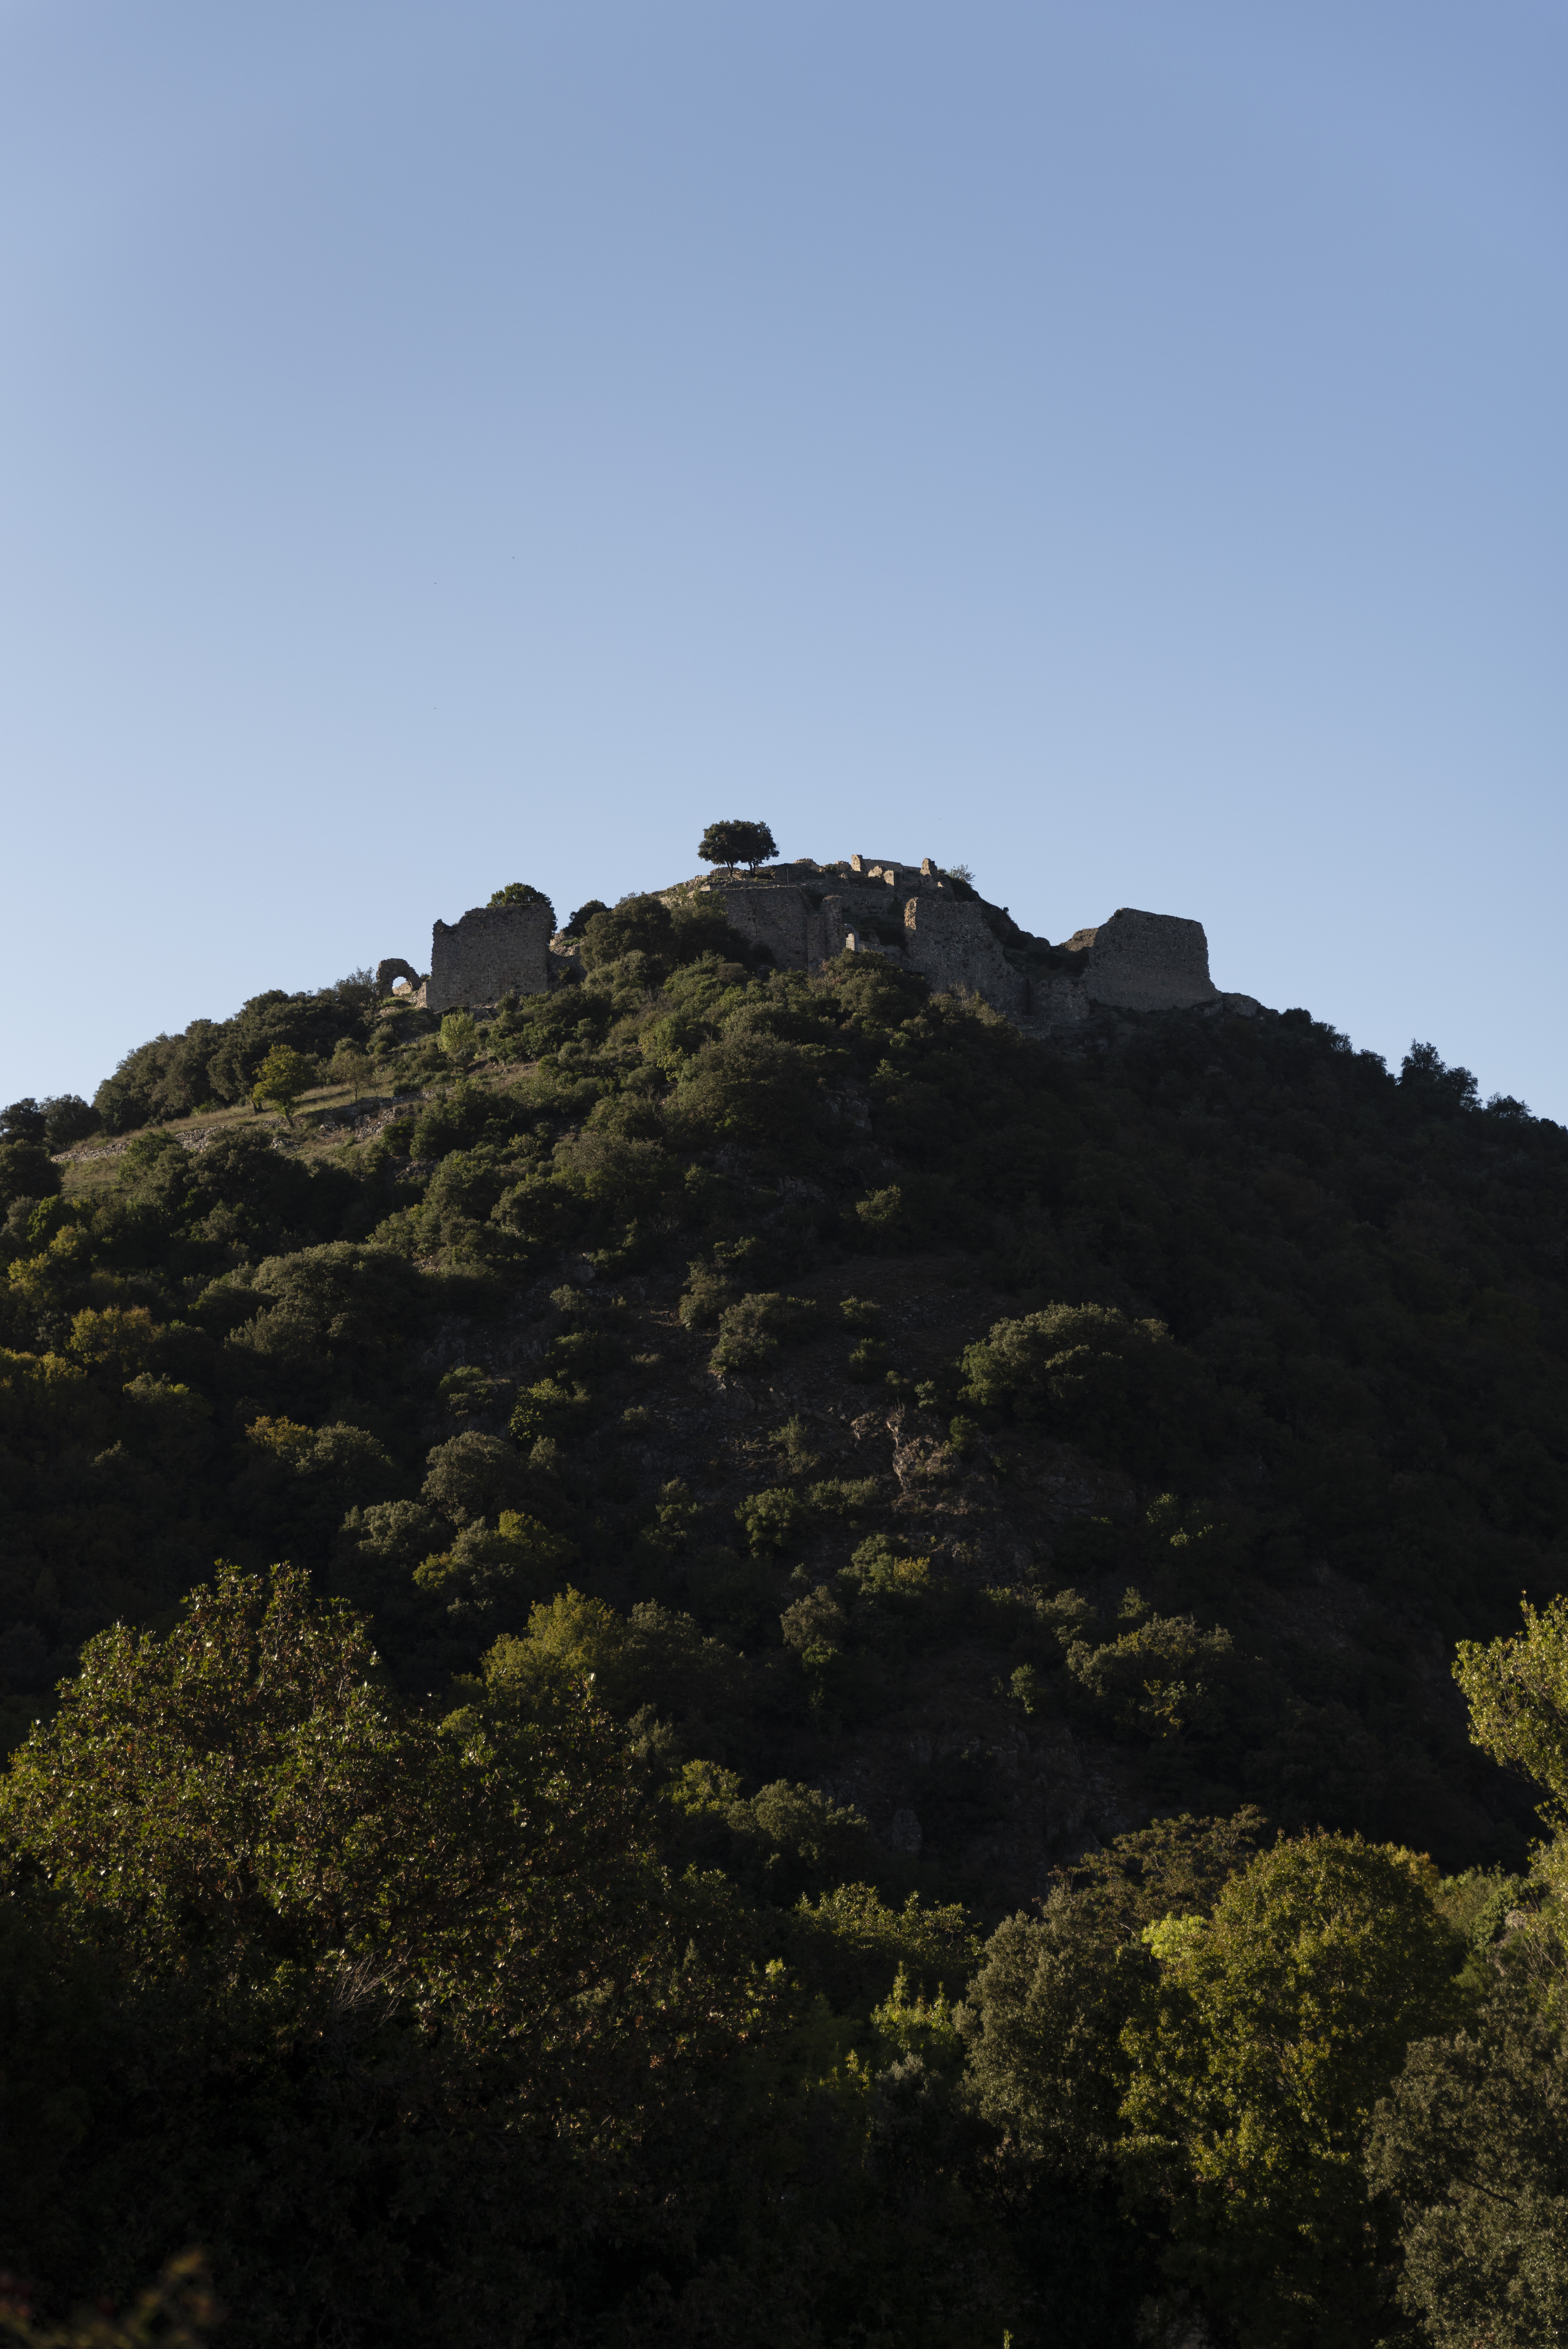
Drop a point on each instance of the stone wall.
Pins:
(393, 967)
(1146, 962)
(774, 914)
(950, 943)
(1136, 961)
(494, 950)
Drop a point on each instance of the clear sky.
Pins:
(1119, 444)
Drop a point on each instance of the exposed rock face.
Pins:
(494, 950)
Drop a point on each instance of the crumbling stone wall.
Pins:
(393, 967)
(494, 950)
(951, 944)
(1146, 962)
(1136, 961)
(778, 916)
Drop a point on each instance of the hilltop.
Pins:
(1049, 1429)
(860, 1740)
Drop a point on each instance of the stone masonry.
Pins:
(804, 915)
(1146, 962)
(393, 967)
(494, 950)
(951, 944)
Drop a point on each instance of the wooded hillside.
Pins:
(1017, 1503)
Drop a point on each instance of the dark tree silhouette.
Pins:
(736, 843)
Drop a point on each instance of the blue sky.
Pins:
(1119, 445)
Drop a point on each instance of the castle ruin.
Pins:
(804, 914)
(801, 915)
(494, 950)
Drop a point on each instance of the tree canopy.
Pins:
(523, 893)
(736, 843)
(850, 1743)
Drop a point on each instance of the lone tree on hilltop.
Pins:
(737, 844)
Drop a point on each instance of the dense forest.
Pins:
(737, 1656)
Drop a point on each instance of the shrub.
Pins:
(754, 1089)
(879, 1573)
(486, 1568)
(786, 1841)
(378, 1548)
(752, 1330)
(843, 1496)
(584, 914)
(853, 1943)
(860, 1313)
(472, 1475)
(467, 1390)
(772, 1520)
(637, 925)
(904, 1216)
(340, 1464)
(23, 1121)
(322, 1305)
(1163, 1679)
(67, 1118)
(1088, 1373)
(523, 893)
(553, 1407)
(459, 1038)
(707, 1292)
(26, 1171)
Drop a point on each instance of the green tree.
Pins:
(1518, 1694)
(582, 915)
(523, 893)
(637, 925)
(1267, 2034)
(1471, 2144)
(350, 1065)
(26, 1171)
(736, 843)
(284, 1076)
(1087, 1372)
(358, 1944)
(460, 1037)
